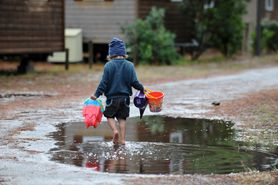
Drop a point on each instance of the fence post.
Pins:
(91, 54)
(67, 59)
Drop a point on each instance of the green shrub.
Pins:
(219, 26)
(269, 37)
(149, 40)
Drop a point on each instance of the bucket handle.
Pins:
(147, 91)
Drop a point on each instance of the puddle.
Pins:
(160, 145)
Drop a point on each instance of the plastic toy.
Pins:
(92, 112)
(141, 102)
(155, 100)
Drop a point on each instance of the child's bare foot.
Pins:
(116, 138)
(122, 142)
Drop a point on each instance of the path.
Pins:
(24, 143)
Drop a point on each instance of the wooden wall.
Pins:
(271, 15)
(100, 20)
(175, 21)
(31, 26)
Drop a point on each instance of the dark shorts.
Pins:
(117, 108)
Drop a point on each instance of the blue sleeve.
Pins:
(103, 83)
(134, 81)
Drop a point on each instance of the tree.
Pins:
(149, 40)
(226, 25)
(217, 24)
(194, 11)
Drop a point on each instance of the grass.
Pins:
(261, 117)
(208, 65)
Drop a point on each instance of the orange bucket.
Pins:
(155, 100)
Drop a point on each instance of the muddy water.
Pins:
(160, 145)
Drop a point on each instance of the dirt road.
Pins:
(26, 121)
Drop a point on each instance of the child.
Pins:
(118, 78)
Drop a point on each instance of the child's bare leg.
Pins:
(122, 124)
(112, 124)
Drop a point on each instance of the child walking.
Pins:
(118, 78)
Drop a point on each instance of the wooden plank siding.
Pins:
(174, 20)
(271, 15)
(31, 26)
(100, 20)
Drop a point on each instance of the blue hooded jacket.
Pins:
(118, 78)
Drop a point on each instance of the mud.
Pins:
(26, 124)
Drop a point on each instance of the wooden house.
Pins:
(31, 28)
(269, 9)
(265, 9)
(100, 20)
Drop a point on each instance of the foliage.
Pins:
(219, 26)
(149, 40)
(193, 9)
(269, 37)
(227, 26)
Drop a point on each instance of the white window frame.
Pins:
(209, 4)
(176, 1)
(269, 5)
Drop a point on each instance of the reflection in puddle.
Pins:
(159, 145)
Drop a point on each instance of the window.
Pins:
(209, 4)
(176, 1)
(98, 0)
(268, 5)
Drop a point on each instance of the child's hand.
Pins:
(93, 97)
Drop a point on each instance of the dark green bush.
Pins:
(220, 26)
(269, 37)
(149, 40)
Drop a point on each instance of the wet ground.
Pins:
(30, 154)
(161, 145)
